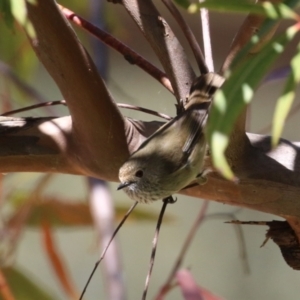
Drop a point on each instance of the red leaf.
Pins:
(190, 290)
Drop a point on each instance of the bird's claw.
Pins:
(170, 200)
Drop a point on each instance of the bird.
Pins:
(173, 156)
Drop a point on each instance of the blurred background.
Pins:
(214, 257)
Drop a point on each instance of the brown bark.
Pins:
(269, 180)
(96, 139)
(96, 121)
(165, 44)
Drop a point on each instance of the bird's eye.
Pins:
(139, 173)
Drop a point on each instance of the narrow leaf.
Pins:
(5, 8)
(190, 290)
(261, 37)
(66, 212)
(236, 93)
(19, 11)
(57, 261)
(219, 143)
(285, 101)
(183, 3)
(266, 8)
(24, 287)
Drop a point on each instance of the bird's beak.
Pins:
(123, 185)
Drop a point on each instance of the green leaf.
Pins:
(236, 93)
(285, 101)
(5, 9)
(19, 11)
(268, 9)
(264, 30)
(24, 288)
(183, 3)
(219, 143)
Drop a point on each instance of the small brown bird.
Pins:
(173, 156)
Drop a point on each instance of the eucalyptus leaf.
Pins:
(285, 101)
(23, 287)
(19, 11)
(67, 214)
(264, 30)
(5, 9)
(266, 8)
(236, 93)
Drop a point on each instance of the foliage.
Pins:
(239, 88)
(266, 8)
(285, 101)
(237, 92)
(5, 9)
(23, 287)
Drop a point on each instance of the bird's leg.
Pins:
(170, 200)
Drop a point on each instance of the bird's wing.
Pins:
(195, 123)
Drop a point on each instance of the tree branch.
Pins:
(130, 55)
(96, 139)
(164, 43)
(95, 117)
(189, 36)
(36, 145)
(269, 182)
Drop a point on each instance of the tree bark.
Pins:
(96, 139)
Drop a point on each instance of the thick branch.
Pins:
(164, 43)
(45, 144)
(36, 145)
(269, 182)
(130, 55)
(96, 121)
(97, 139)
(189, 36)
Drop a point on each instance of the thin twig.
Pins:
(25, 88)
(145, 110)
(130, 55)
(238, 222)
(206, 38)
(167, 286)
(240, 237)
(30, 107)
(166, 201)
(189, 36)
(63, 102)
(189, 238)
(261, 223)
(104, 251)
(103, 214)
